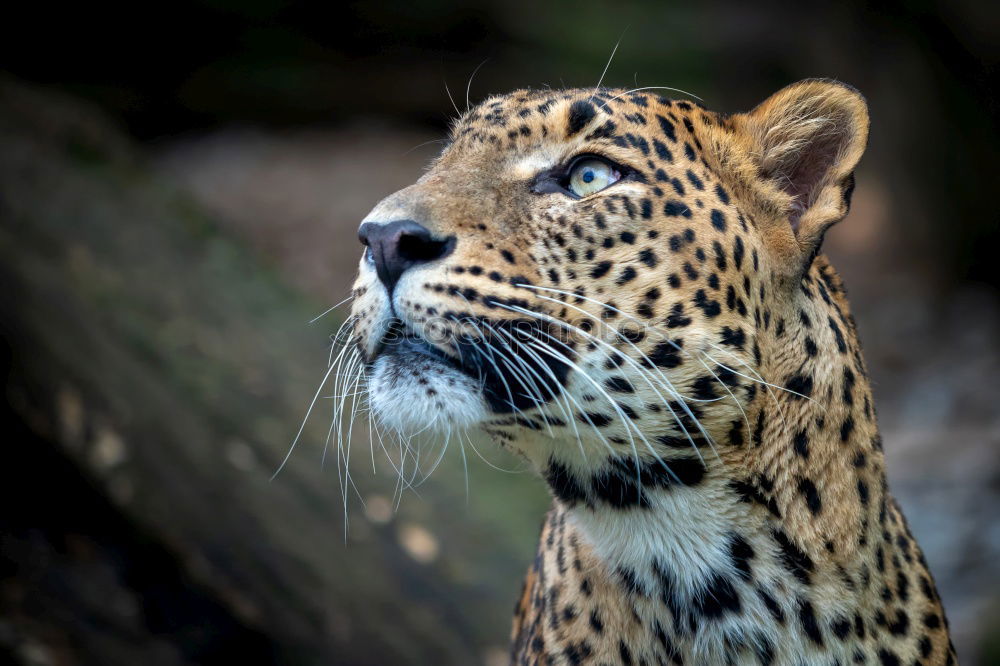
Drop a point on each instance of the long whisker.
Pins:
(564, 395)
(351, 371)
(350, 432)
(341, 338)
(555, 381)
(760, 380)
(635, 90)
(340, 397)
(468, 86)
(537, 398)
(560, 357)
(329, 310)
(629, 425)
(440, 457)
(465, 466)
(682, 401)
(481, 457)
(424, 143)
(303, 426)
(546, 349)
(608, 65)
(452, 100)
(491, 351)
(644, 374)
(622, 416)
(648, 325)
(732, 395)
(341, 387)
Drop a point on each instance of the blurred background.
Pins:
(180, 186)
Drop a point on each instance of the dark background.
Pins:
(179, 189)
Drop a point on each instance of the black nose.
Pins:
(399, 245)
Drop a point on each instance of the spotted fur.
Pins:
(704, 419)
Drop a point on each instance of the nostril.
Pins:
(395, 247)
(421, 247)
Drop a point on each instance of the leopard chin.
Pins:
(413, 392)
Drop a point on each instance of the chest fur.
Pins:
(702, 592)
(687, 591)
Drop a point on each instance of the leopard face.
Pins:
(584, 274)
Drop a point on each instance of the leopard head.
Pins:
(588, 274)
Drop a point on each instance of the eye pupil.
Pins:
(588, 175)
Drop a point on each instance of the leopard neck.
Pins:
(804, 480)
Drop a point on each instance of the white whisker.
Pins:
(608, 65)
(682, 401)
(468, 87)
(331, 309)
(635, 90)
(626, 421)
(303, 425)
(452, 100)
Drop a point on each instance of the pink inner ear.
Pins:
(807, 174)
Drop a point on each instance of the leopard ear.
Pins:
(805, 141)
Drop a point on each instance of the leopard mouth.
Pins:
(401, 340)
(508, 362)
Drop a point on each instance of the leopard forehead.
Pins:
(525, 132)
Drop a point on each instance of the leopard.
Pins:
(628, 292)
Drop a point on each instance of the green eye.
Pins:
(591, 175)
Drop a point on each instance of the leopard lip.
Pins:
(400, 340)
(512, 376)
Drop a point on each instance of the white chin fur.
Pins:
(410, 393)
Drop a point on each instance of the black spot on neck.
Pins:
(624, 482)
(720, 597)
(807, 617)
(563, 484)
(741, 553)
(794, 559)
